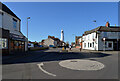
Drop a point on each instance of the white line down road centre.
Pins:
(40, 66)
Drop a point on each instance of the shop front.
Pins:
(17, 43)
(4, 41)
(114, 43)
(11, 43)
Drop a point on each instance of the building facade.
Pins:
(102, 38)
(77, 41)
(52, 41)
(12, 40)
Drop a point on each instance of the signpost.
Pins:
(104, 43)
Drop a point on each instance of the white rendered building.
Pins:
(94, 39)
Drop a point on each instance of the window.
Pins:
(3, 43)
(84, 44)
(14, 23)
(105, 34)
(93, 36)
(110, 45)
(88, 44)
(88, 37)
(93, 44)
(105, 44)
(0, 19)
(84, 38)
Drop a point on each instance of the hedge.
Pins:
(37, 48)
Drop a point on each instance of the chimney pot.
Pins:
(107, 24)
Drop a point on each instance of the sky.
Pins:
(49, 18)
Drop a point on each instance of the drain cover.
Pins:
(73, 61)
(81, 64)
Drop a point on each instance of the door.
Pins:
(115, 45)
(11, 46)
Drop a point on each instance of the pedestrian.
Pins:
(70, 47)
(65, 47)
(80, 48)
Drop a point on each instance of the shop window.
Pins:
(110, 45)
(3, 43)
(16, 43)
(22, 43)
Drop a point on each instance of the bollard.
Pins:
(63, 48)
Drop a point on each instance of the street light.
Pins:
(74, 35)
(117, 41)
(75, 38)
(27, 32)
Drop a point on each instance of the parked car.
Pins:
(51, 46)
(30, 45)
(40, 46)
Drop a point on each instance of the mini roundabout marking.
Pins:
(79, 64)
(76, 64)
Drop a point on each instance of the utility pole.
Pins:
(117, 41)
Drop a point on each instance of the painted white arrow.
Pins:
(40, 66)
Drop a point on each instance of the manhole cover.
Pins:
(81, 64)
(73, 61)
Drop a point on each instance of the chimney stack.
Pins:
(107, 24)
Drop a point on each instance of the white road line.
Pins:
(40, 66)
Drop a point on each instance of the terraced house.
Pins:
(102, 38)
(11, 40)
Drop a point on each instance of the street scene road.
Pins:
(59, 40)
(53, 64)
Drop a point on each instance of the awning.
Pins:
(17, 37)
(111, 39)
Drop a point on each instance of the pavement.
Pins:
(46, 65)
(88, 51)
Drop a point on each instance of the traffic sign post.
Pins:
(104, 43)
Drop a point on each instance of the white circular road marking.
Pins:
(77, 64)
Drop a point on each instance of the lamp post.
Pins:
(117, 41)
(95, 23)
(75, 38)
(27, 32)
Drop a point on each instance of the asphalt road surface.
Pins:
(46, 65)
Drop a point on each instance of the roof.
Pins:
(77, 37)
(52, 37)
(7, 10)
(105, 29)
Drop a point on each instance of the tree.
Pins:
(67, 44)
